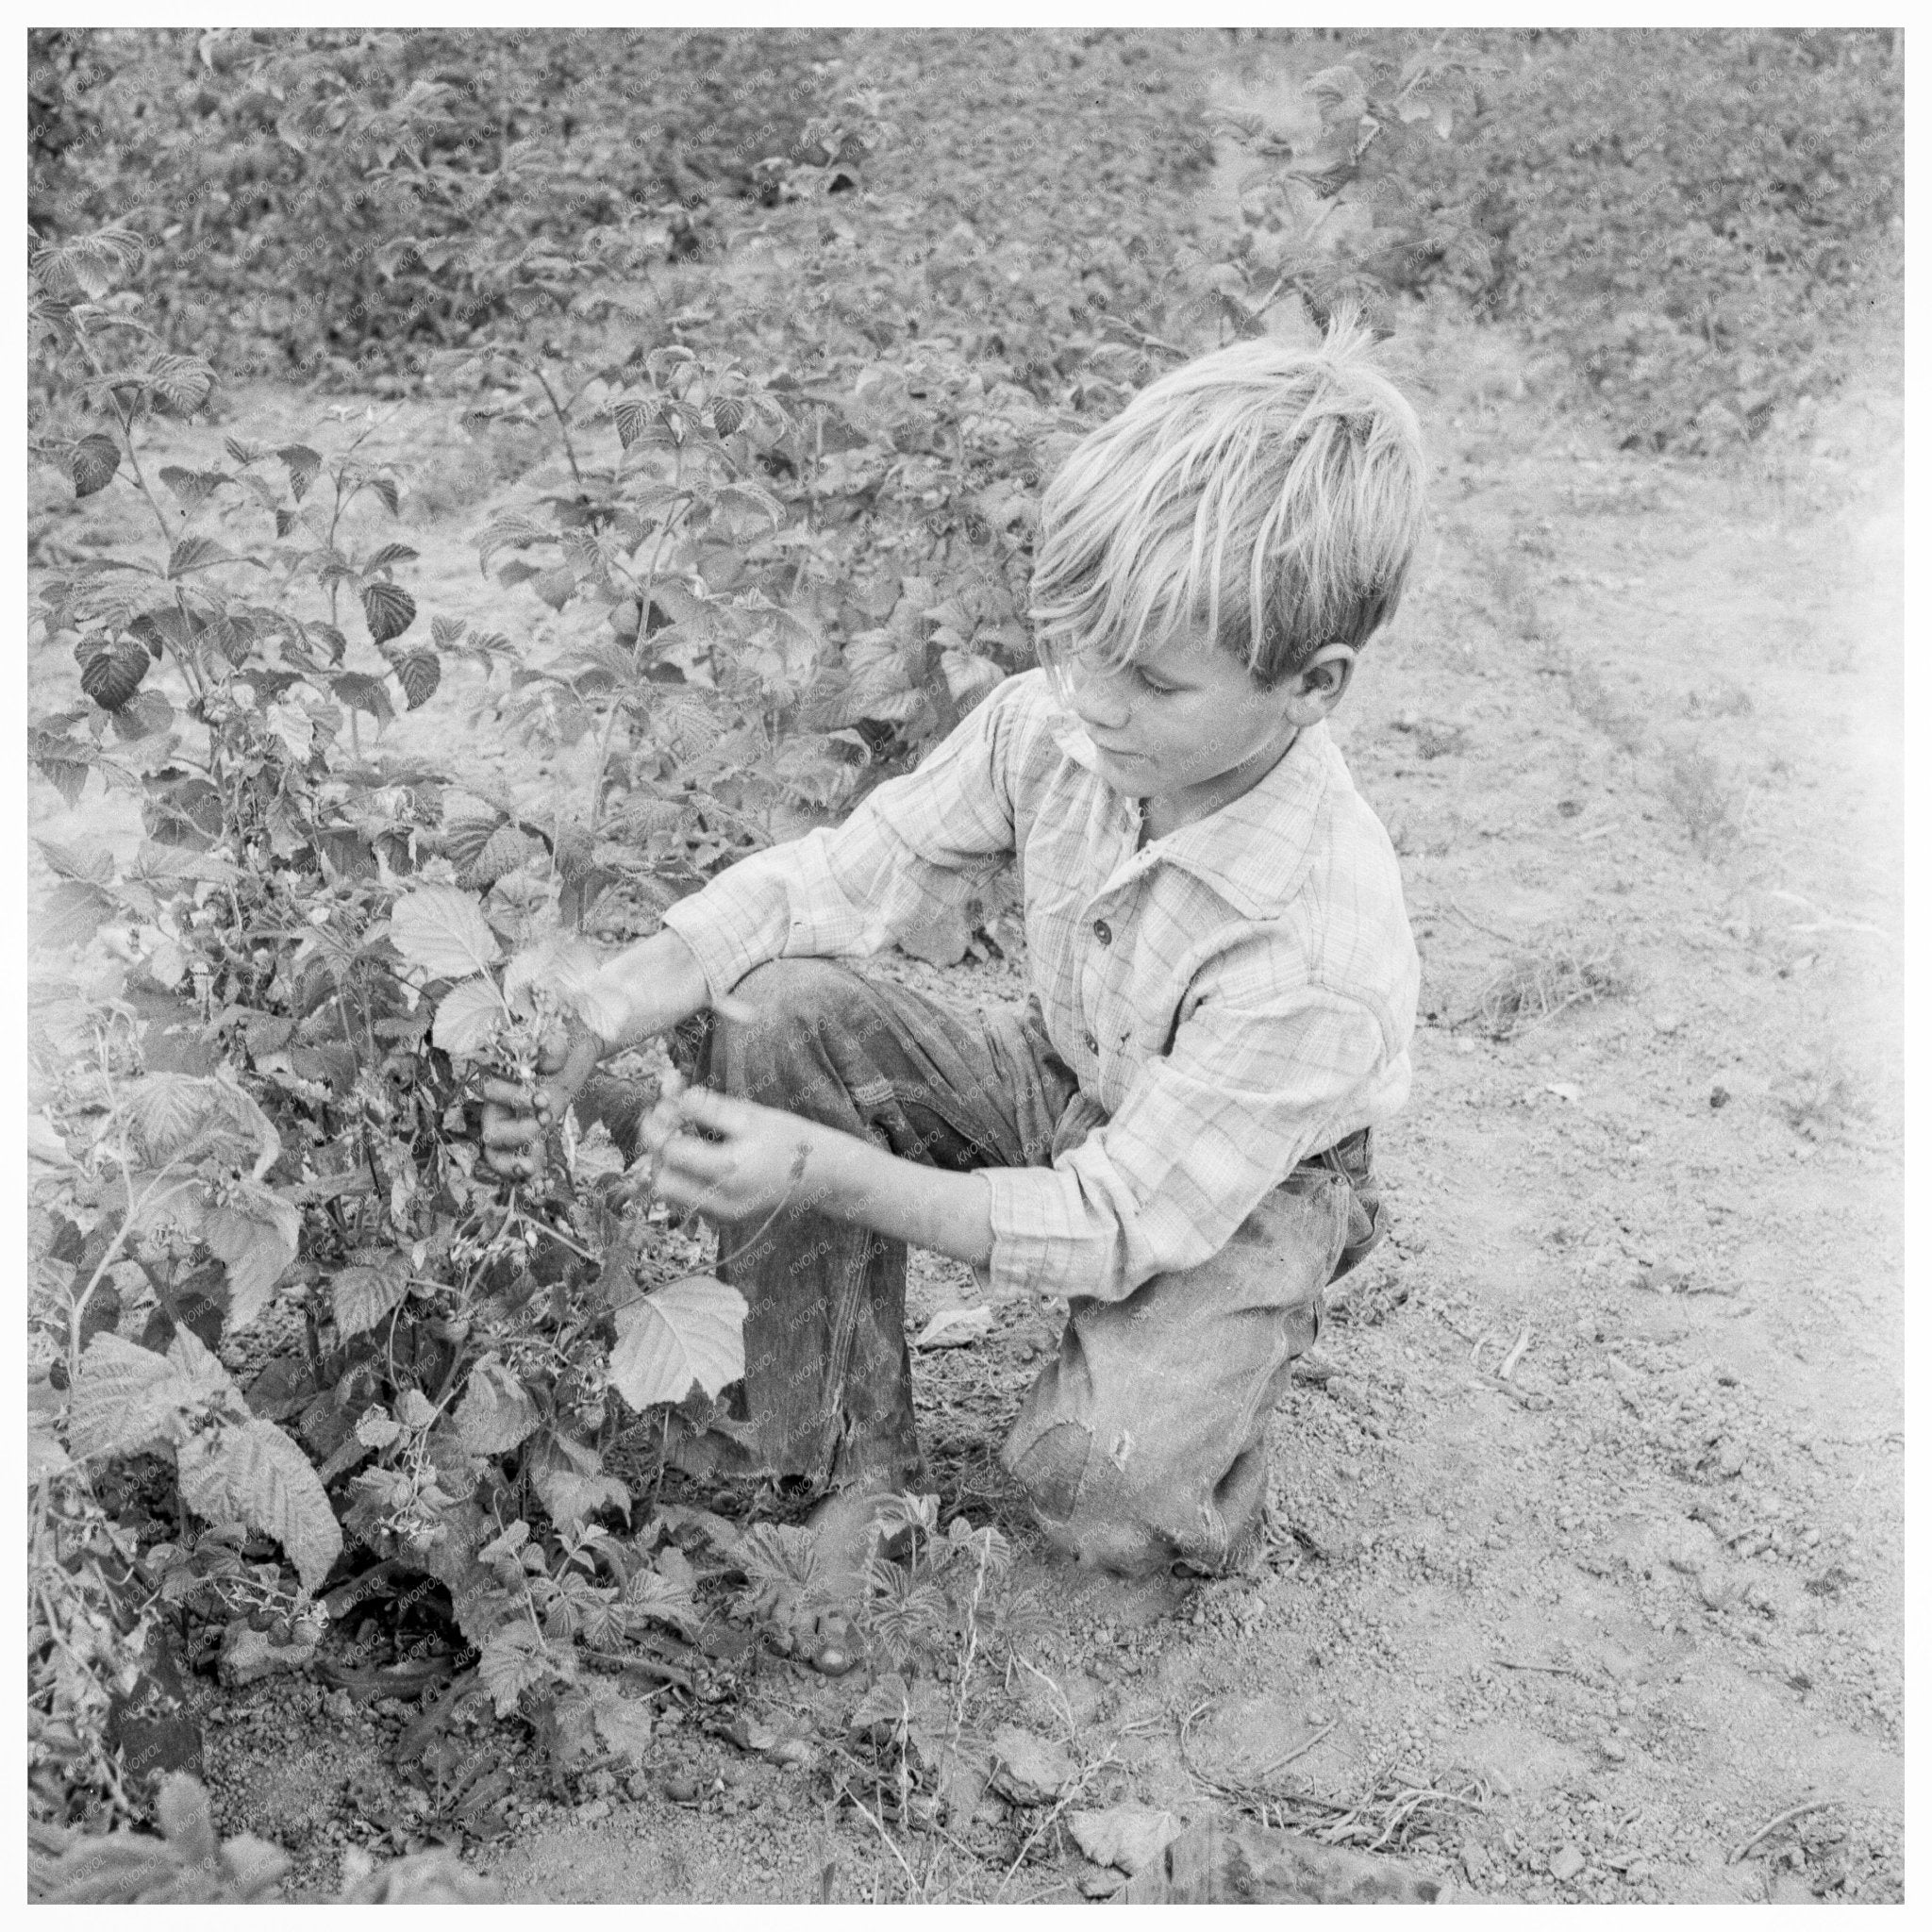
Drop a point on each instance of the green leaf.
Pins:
(783, 1555)
(567, 966)
(45, 1455)
(376, 1428)
(690, 1330)
(66, 773)
(196, 553)
(510, 529)
(169, 1111)
(515, 1659)
(363, 692)
(496, 1413)
(567, 1477)
(182, 382)
(468, 1018)
(463, 838)
(886, 1706)
(390, 554)
(93, 463)
(256, 1234)
(414, 1410)
(442, 929)
(146, 714)
(303, 465)
(192, 488)
(419, 673)
(623, 1723)
(75, 911)
(127, 1399)
(506, 847)
(253, 1473)
(110, 676)
(360, 1297)
(555, 585)
(633, 419)
(648, 1595)
(389, 610)
(390, 496)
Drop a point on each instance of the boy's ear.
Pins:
(1320, 685)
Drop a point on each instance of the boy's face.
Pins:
(1185, 728)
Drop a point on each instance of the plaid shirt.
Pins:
(1236, 996)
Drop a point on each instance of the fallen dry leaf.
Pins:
(955, 1328)
(1128, 1836)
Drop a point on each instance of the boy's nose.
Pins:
(1097, 698)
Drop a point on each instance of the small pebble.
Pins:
(1565, 1864)
(1665, 1023)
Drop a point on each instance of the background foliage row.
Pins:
(1700, 221)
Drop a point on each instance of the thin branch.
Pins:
(1783, 1818)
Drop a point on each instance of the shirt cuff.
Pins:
(712, 932)
(1025, 1260)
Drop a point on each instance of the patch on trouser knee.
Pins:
(1050, 1468)
(1113, 1508)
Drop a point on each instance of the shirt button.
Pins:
(1093, 1044)
(1102, 932)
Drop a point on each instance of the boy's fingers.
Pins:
(514, 1132)
(703, 1107)
(506, 1094)
(553, 1050)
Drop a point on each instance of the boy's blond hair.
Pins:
(1272, 492)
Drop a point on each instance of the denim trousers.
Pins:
(1140, 1444)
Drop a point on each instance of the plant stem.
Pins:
(120, 1234)
(126, 423)
(562, 422)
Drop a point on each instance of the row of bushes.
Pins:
(285, 170)
(1706, 223)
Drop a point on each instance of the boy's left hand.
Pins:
(748, 1170)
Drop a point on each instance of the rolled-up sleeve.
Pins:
(1249, 1089)
(916, 846)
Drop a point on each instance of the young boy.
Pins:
(1174, 1133)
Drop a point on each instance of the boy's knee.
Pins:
(1111, 1505)
(792, 989)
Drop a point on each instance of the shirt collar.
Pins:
(1254, 850)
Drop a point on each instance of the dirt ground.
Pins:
(1589, 1505)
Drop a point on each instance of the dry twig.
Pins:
(1783, 1818)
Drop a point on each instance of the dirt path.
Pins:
(1637, 731)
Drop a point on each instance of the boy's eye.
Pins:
(1159, 690)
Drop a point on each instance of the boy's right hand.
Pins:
(657, 985)
(516, 1118)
